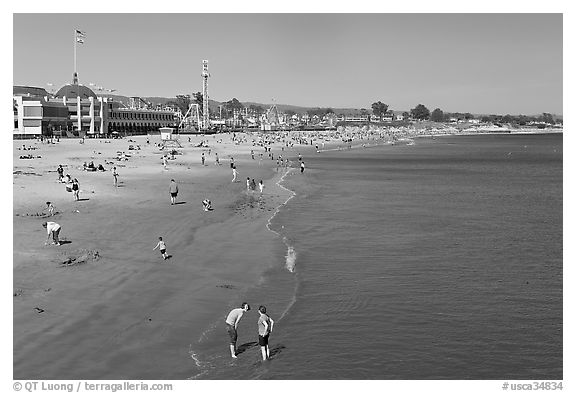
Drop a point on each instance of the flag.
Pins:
(80, 36)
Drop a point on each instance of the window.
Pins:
(32, 111)
(32, 123)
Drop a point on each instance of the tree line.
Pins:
(420, 112)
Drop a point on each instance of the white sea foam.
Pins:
(290, 253)
(201, 365)
(290, 259)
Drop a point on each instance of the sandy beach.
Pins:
(119, 310)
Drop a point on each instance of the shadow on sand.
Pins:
(242, 348)
(276, 350)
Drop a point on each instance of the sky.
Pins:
(478, 63)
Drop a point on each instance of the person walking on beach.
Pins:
(253, 185)
(203, 159)
(162, 247)
(232, 325)
(60, 171)
(115, 175)
(52, 228)
(165, 161)
(217, 159)
(302, 167)
(247, 184)
(265, 325)
(173, 189)
(234, 173)
(76, 189)
(261, 186)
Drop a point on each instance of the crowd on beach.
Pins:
(264, 141)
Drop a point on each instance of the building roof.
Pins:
(29, 91)
(73, 91)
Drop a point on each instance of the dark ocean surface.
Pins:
(440, 260)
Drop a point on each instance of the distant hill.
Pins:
(214, 104)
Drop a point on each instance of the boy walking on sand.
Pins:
(232, 325)
(265, 325)
(115, 174)
(162, 246)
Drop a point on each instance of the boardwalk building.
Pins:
(75, 110)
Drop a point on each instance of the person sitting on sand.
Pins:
(52, 228)
(232, 325)
(101, 168)
(50, 208)
(207, 205)
(162, 247)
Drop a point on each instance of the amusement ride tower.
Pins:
(205, 114)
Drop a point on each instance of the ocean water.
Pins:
(440, 260)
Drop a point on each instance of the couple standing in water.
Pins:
(265, 325)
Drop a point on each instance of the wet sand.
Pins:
(128, 314)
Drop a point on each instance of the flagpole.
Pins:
(75, 71)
